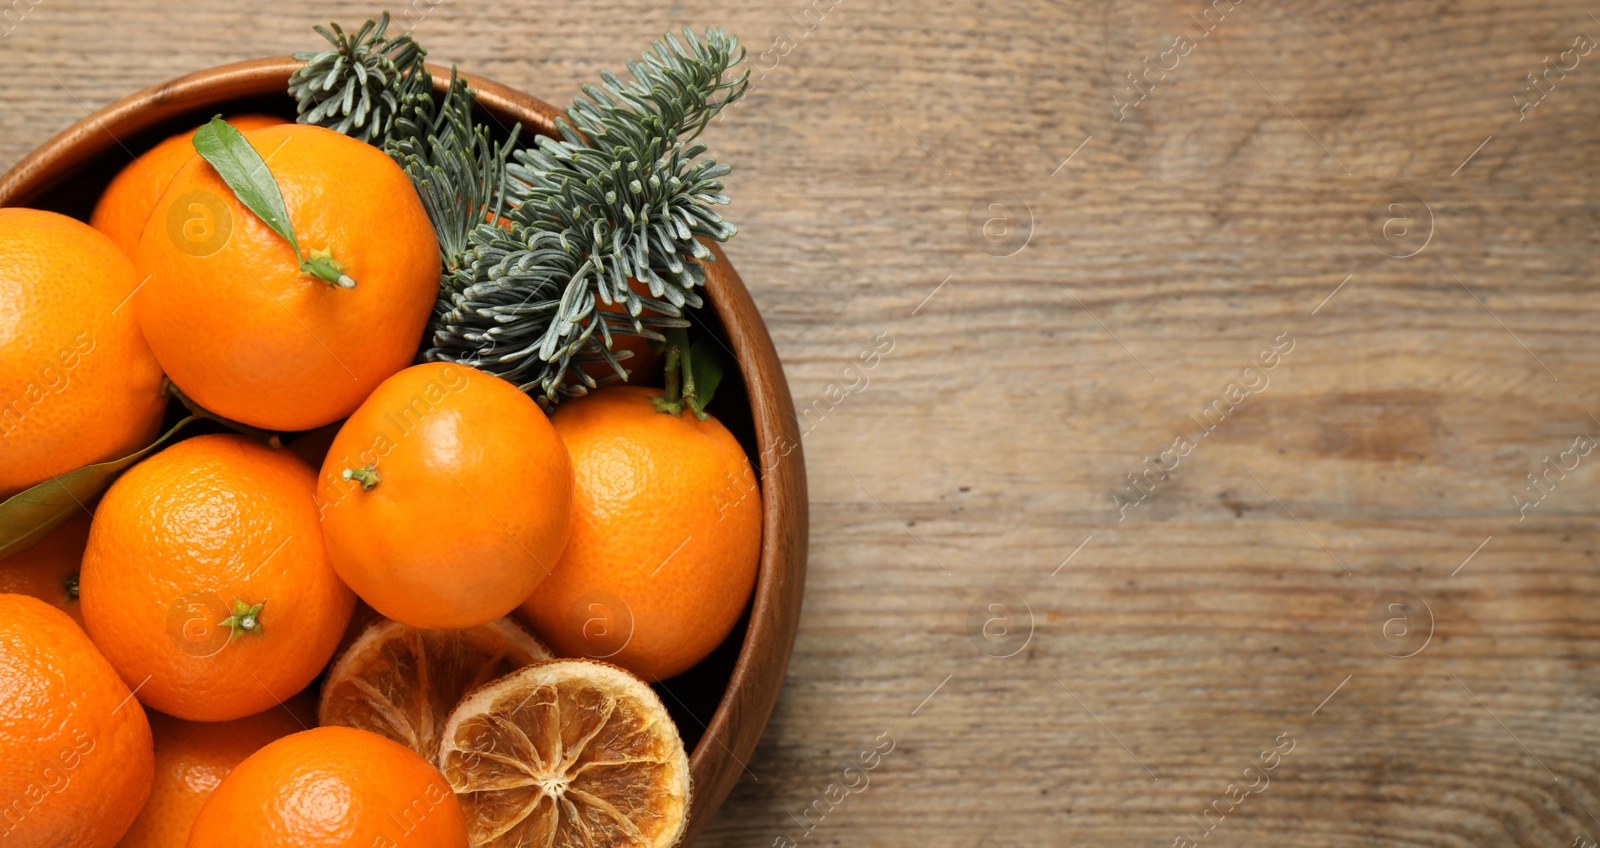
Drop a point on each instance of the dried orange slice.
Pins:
(401, 682)
(570, 753)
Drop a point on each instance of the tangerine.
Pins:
(331, 787)
(125, 205)
(401, 682)
(446, 497)
(193, 757)
(567, 752)
(206, 581)
(78, 384)
(665, 540)
(643, 364)
(237, 324)
(74, 741)
(49, 570)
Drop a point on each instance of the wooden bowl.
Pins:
(721, 705)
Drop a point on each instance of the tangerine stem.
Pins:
(690, 396)
(245, 619)
(671, 400)
(323, 266)
(367, 477)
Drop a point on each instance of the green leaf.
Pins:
(30, 515)
(243, 169)
(707, 363)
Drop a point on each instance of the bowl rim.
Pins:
(757, 678)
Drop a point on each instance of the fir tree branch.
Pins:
(619, 197)
(535, 238)
(673, 93)
(357, 87)
(458, 170)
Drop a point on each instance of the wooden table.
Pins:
(1317, 608)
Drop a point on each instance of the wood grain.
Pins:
(1178, 644)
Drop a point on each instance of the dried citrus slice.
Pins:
(401, 682)
(569, 753)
